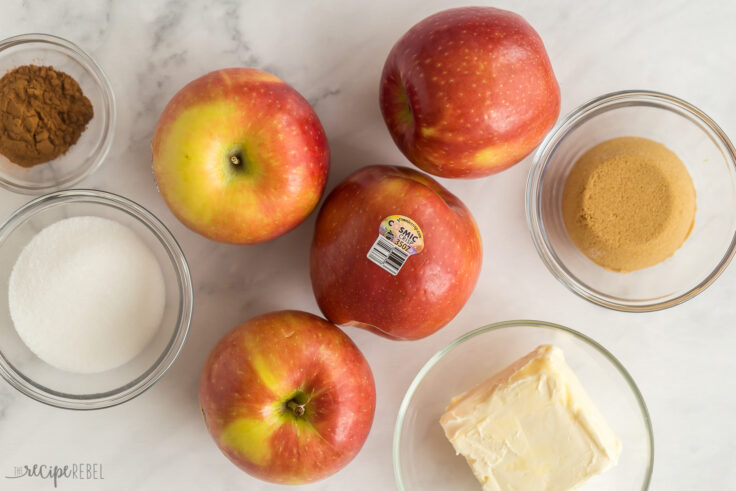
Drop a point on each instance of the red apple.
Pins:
(424, 229)
(288, 397)
(468, 92)
(239, 156)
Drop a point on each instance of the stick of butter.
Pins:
(531, 427)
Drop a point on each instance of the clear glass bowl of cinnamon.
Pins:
(653, 222)
(57, 114)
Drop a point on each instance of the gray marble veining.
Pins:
(333, 53)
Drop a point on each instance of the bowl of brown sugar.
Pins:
(57, 114)
(631, 201)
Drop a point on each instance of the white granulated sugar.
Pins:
(86, 294)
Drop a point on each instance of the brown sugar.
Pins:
(42, 113)
(628, 203)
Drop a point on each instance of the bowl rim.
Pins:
(537, 172)
(108, 106)
(510, 325)
(173, 348)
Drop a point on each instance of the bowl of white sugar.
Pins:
(95, 299)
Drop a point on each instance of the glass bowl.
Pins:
(710, 159)
(42, 382)
(85, 156)
(424, 459)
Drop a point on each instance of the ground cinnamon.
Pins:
(628, 203)
(42, 113)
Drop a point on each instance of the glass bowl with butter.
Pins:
(631, 201)
(523, 405)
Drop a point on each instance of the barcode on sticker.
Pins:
(387, 255)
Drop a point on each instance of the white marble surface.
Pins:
(333, 53)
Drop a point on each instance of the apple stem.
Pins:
(298, 409)
(235, 160)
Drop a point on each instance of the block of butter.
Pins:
(531, 427)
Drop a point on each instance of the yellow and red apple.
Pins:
(433, 282)
(240, 156)
(468, 92)
(288, 397)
